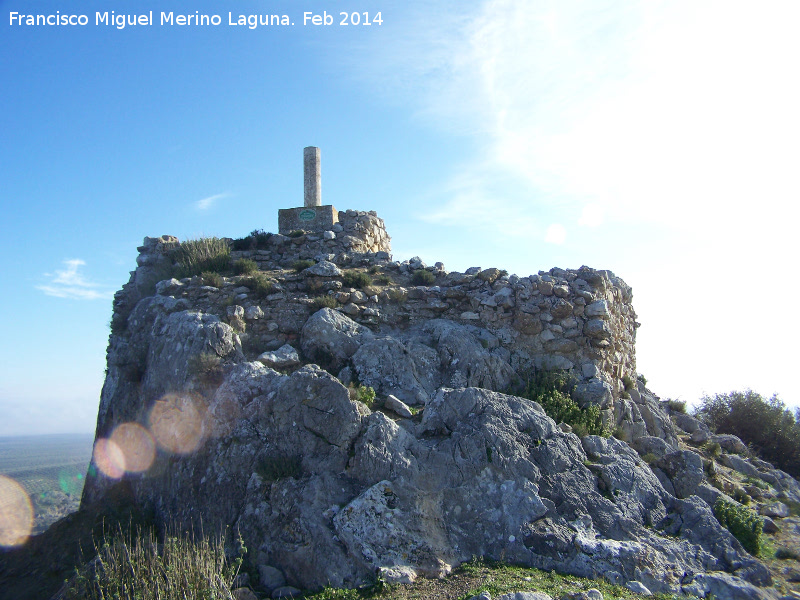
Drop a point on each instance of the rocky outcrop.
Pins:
(242, 401)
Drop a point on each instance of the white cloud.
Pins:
(69, 283)
(207, 203)
(555, 234)
(681, 114)
(591, 216)
(678, 118)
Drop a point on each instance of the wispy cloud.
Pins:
(70, 283)
(207, 203)
(654, 111)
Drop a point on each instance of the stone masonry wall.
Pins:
(357, 232)
(579, 320)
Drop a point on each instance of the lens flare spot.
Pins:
(137, 446)
(109, 458)
(176, 422)
(16, 513)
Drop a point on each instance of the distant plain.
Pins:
(51, 469)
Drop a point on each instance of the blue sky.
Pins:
(655, 139)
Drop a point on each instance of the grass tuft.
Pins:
(203, 254)
(145, 568)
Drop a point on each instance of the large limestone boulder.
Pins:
(331, 338)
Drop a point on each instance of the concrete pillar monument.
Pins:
(312, 216)
(312, 177)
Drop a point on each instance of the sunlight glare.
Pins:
(16, 513)
(137, 446)
(109, 458)
(176, 422)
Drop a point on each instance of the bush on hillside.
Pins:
(245, 266)
(423, 277)
(257, 240)
(212, 278)
(765, 425)
(745, 525)
(553, 391)
(356, 279)
(261, 285)
(302, 265)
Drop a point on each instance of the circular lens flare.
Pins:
(16, 513)
(109, 458)
(137, 446)
(176, 422)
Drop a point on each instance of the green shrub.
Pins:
(206, 367)
(742, 497)
(257, 240)
(204, 254)
(678, 406)
(627, 382)
(755, 482)
(297, 233)
(260, 284)
(553, 390)
(641, 378)
(745, 525)
(241, 244)
(765, 425)
(324, 302)
(362, 393)
(245, 266)
(301, 265)
(422, 277)
(280, 466)
(260, 239)
(382, 279)
(356, 279)
(713, 448)
(212, 278)
(143, 567)
(649, 458)
(624, 395)
(397, 295)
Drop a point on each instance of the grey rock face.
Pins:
(684, 469)
(649, 444)
(328, 492)
(331, 338)
(323, 269)
(407, 371)
(730, 443)
(284, 357)
(594, 391)
(776, 510)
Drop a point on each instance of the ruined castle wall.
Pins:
(580, 320)
(357, 232)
